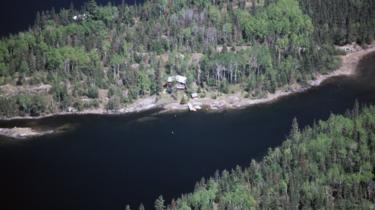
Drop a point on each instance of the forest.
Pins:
(330, 165)
(109, 55)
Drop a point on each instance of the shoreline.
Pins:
(23, 132)
(224, 102)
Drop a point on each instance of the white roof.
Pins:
(177, 78)
(181, 79)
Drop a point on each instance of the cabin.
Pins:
(178, 82)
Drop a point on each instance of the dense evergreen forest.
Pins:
(341, 21)
(107, 56)
(330, 165)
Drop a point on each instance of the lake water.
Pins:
(18, 15)
(106, 162)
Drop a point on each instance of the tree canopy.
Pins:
(327, 166)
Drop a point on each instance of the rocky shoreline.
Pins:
(23, 133)
(223, 102)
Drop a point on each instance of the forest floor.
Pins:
(209, 103)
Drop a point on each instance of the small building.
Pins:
(181, 82)
(178, 81)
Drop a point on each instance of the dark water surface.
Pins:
(19, 15)
(106, 162)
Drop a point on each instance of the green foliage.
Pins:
(159, 203)
(91, 6)
(114, 103)
(276, 43)
(92, 92)
(60, 95)
(184, 100)
(327, 166)
(7, 106)
(342, 21)
(224, 87)
(144, 83)
(22, 104)
(108, 14)
(214, 14)
(32, 105)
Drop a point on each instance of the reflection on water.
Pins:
(106, 162)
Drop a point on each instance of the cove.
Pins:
(106, 162)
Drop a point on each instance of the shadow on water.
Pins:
(106, 162)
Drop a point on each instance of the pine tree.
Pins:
(295, 132)
(159, 203)
(38, 20)
(158, 87)
(91, 6)
(141, 207)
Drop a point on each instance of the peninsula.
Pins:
(120, 59)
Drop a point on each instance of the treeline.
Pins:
(22, 105)
(330, 165)
(342, 21)
(126, 52)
